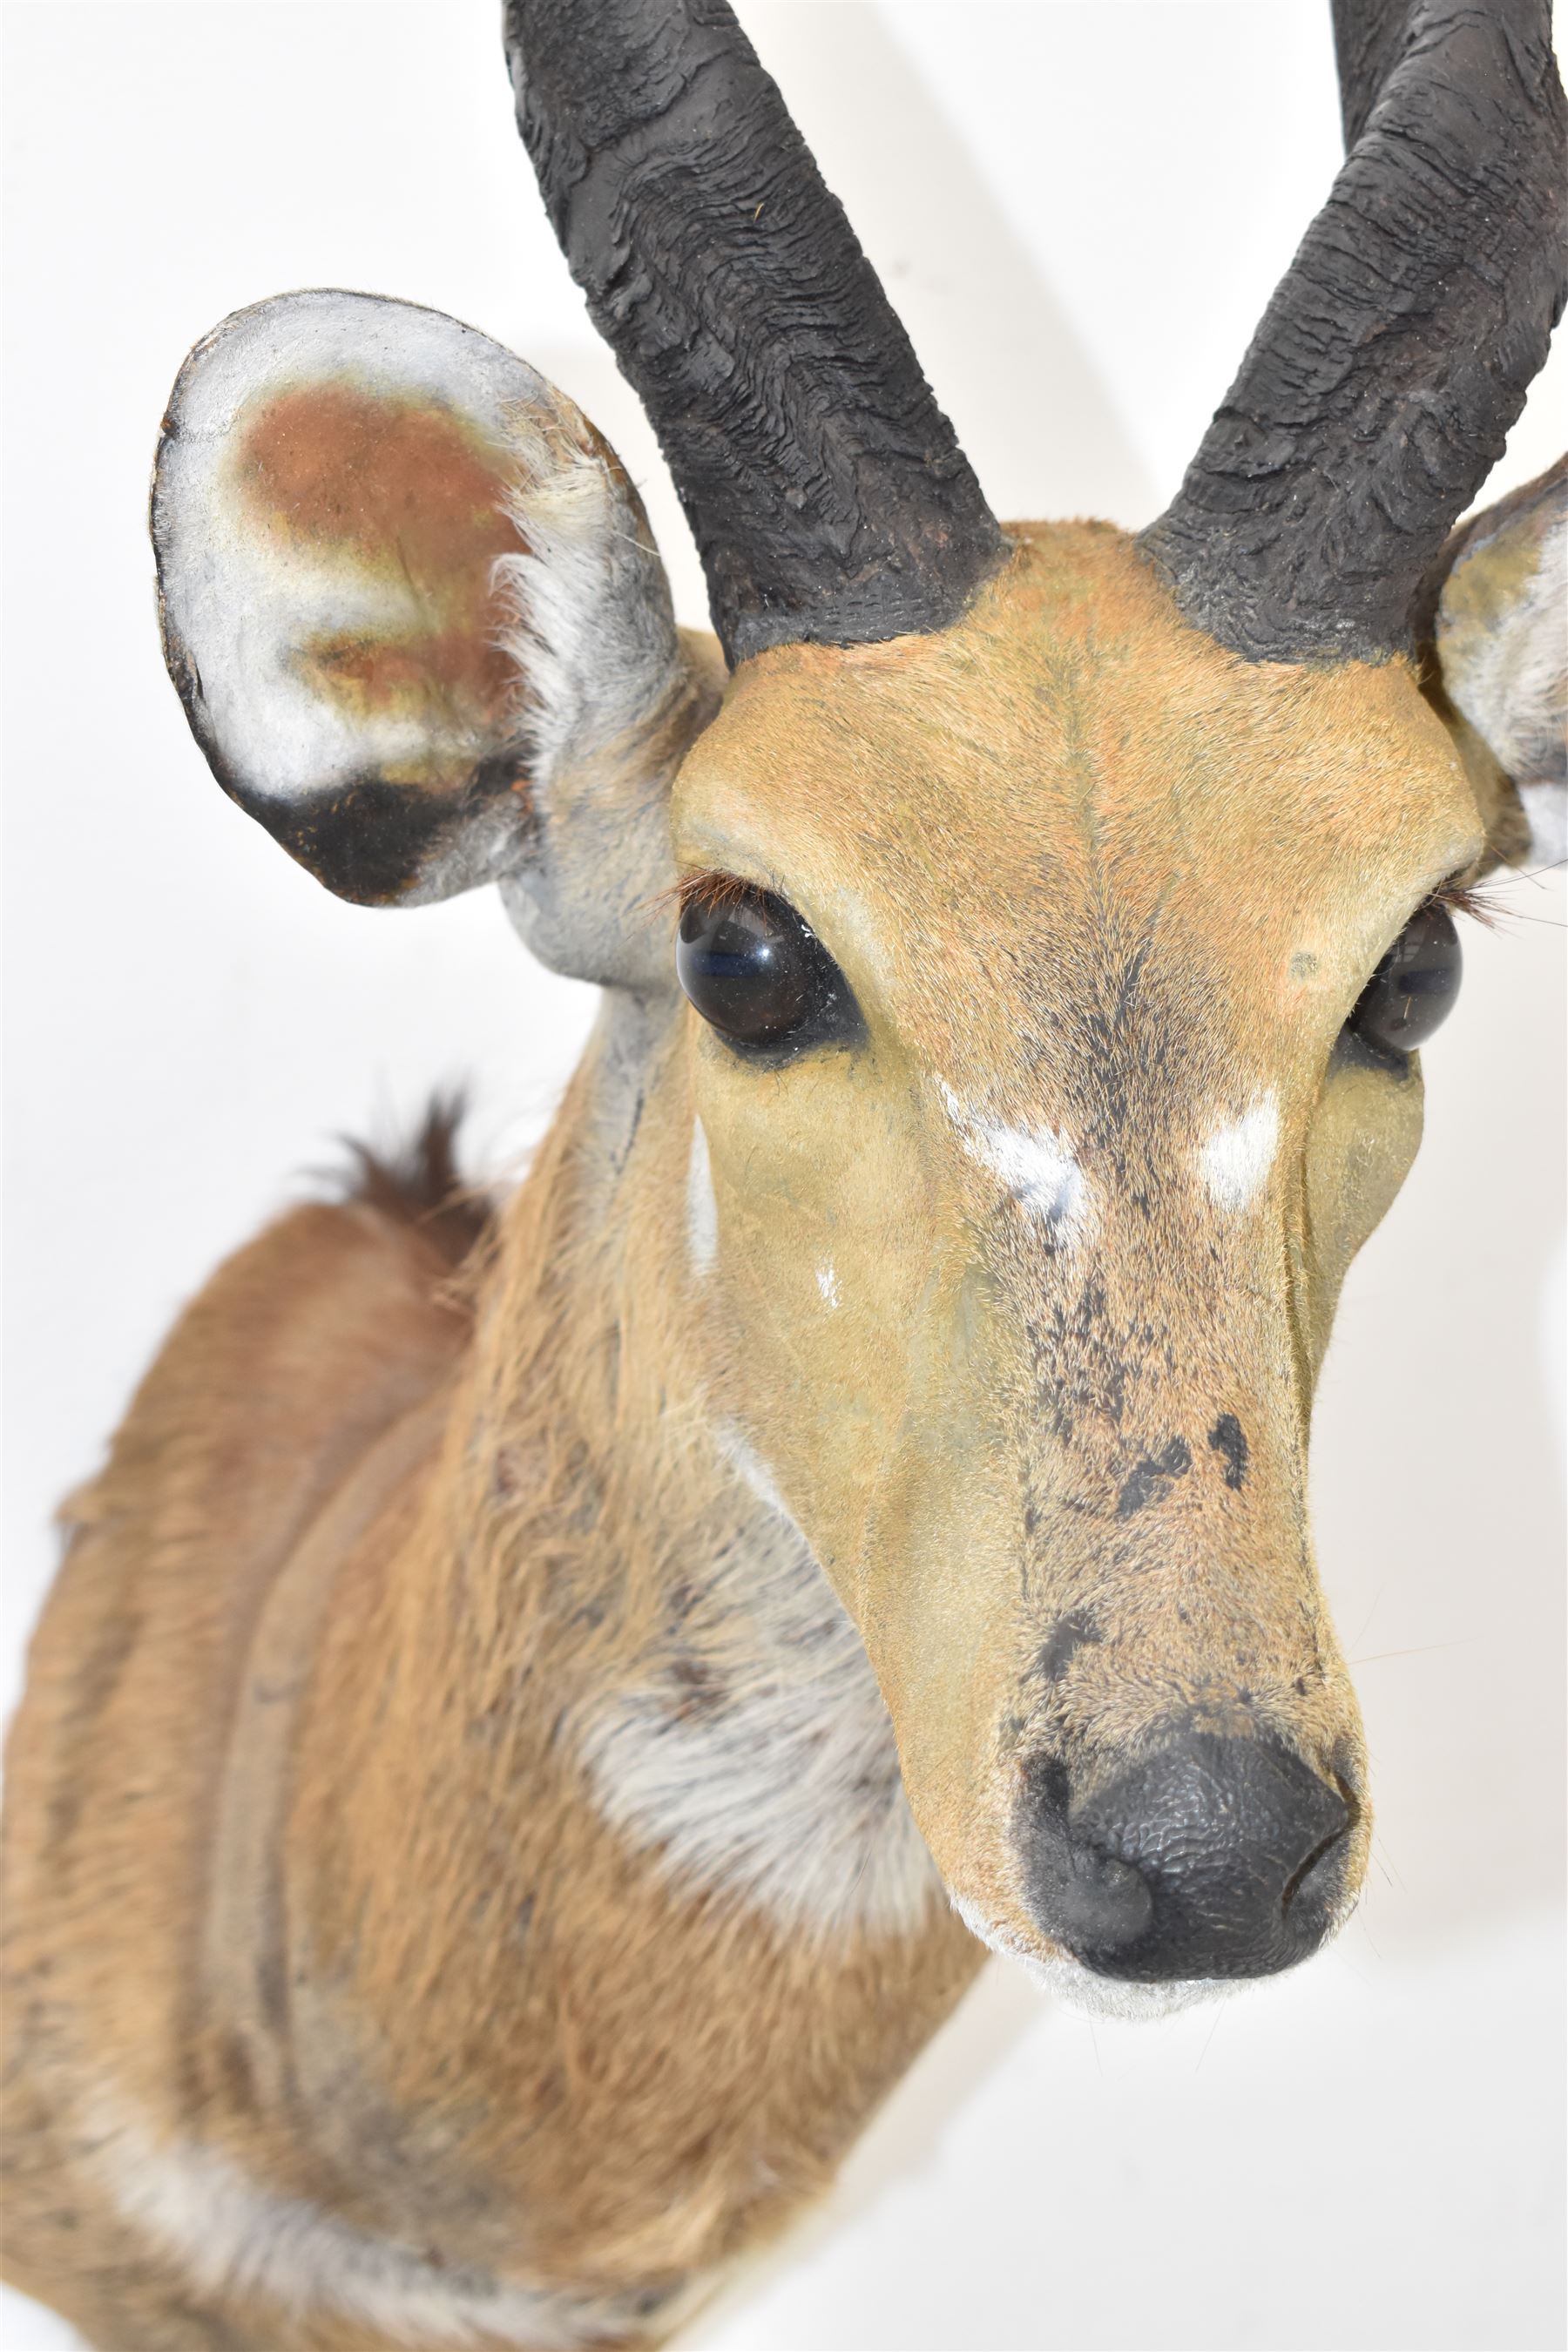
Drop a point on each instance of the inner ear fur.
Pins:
(1495, 629)
(415, 615)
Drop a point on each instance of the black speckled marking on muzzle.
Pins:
(1229, 1440)
(1149, 1480)
(1066, 1637)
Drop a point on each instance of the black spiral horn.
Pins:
(827, 493)
(1397, 353)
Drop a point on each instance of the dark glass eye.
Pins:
(758, 973)
(1410, 994)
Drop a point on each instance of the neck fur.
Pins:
(724, 1709)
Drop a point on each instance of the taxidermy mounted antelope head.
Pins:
(1015, 943)
(1056, 911)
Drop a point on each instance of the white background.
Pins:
(1080, 210)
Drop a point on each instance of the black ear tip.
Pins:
(382, 845)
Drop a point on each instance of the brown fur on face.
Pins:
(1095, 881)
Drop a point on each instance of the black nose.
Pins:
(1211, 1857)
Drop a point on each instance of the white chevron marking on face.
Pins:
(1236, 1160)
(1037, 1164)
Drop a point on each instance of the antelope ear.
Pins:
(420, 630)
(1501, 636)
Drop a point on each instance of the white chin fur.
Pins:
(1078, 1988)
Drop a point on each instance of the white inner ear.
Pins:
(279, 738)
(1513, 685)
(242, 601)
(593, 635)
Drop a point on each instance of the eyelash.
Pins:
(708, 891)
(711, 890)
(1470, 899)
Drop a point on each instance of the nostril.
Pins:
(1091, 1897)
(1089, 1894)
(1306, 1879)
(1297, 1882)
